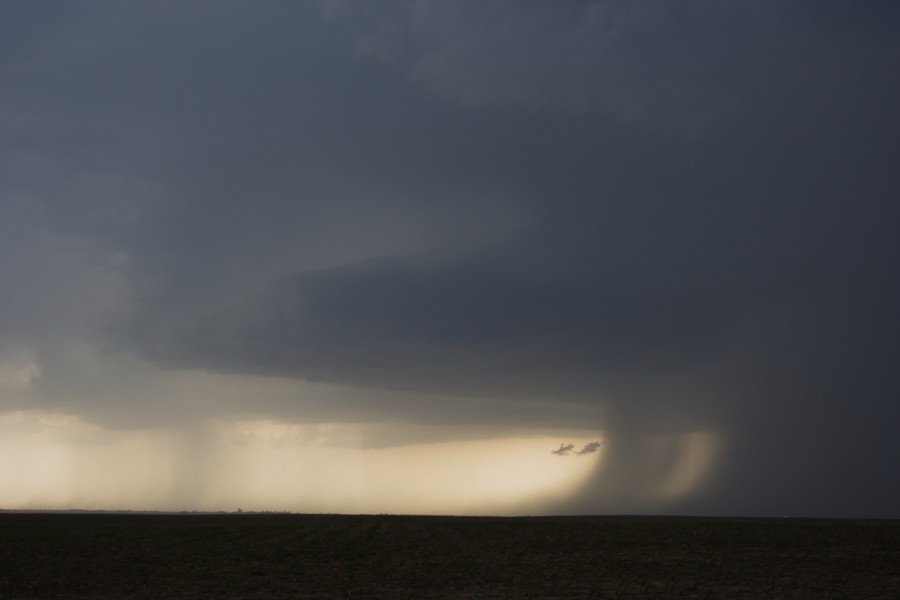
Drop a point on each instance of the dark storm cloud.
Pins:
(681, 216)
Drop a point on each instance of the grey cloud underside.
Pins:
(459, 328)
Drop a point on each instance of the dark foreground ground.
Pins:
(308, 556)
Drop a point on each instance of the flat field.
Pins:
(115, 555)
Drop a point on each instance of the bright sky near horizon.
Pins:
(338, 256)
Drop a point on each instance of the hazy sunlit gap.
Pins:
(54, 461)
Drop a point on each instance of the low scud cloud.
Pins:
(664, 233)
(569, 449)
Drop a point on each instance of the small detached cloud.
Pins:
(590, 448)
(567, 449)
(563, 450)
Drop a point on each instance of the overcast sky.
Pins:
(366, 234)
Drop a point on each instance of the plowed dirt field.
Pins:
(332, 556)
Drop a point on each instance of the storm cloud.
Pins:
(667, 223)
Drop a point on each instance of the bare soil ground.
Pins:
(332, 556)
